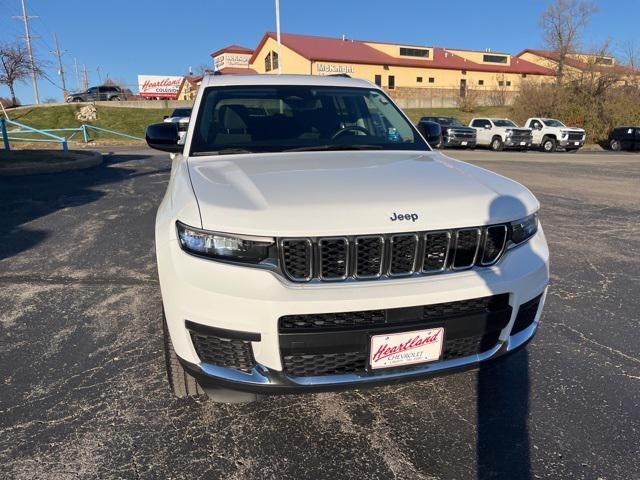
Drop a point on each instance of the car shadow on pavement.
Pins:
(503, 408)
(24, 199)
(503, 391)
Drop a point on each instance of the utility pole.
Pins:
(85, 77)
(75, 62)
(28, 37)
(278, 36)
(58, 54)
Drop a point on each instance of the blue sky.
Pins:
(125, 38)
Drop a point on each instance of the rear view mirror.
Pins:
(164, 136)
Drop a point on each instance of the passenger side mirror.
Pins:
(432, 133)
(164, 137)
(487, 126)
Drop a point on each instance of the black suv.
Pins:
(94, 94)
(454, 133)
(624, 138)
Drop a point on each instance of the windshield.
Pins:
(181, 112)
(278, 118)
(448, 122)
(550, 122)
(504, 123)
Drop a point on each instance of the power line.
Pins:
(28, 37)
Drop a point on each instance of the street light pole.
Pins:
(278, 36)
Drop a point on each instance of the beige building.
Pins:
(395, 66)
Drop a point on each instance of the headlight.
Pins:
(564, 133)
(222, 246)
(508, 133)
(523, 229)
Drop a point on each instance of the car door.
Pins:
(92, 94)
(536, 127)
(483, 134)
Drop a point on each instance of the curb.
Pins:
(93, 159)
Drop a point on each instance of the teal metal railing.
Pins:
(10, 136)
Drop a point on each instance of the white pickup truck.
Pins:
(310, 239)
(549, 134)
(501, 133)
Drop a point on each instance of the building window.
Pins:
(464, 72)
(500, 83)
(524, 75)
(508, 83)
(480, 82)
(267, 62)
(274, 60)
(432, 80)
(392, 82)
(386, 67)
(604, 61)
(494, 58)
(378, 80)
(414, 52)
(419, 79)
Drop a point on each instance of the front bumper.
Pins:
(458, 142)
(571, 143)
(518, 142)
(251, 301)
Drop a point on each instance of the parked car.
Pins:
(624, 138)
(180, 116)
(501, 133)
(432, 133)
(101, 93)
(318, 243)
(549, 134)
(454, 132)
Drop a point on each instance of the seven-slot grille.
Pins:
(369, 257)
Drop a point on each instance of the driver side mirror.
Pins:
(164, 136)
(487, 126)
(432, 133)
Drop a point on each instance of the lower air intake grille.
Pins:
(324, 364)
(526, 315)
(223, 352)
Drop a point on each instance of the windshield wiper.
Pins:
(334, 147)
(224, 151)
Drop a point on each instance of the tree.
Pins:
(563, 23)
(15, 66)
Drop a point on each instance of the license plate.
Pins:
(523, 143)
(406, 348)
(576, 143)
(463, 143)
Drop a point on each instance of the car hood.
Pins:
(351, 192)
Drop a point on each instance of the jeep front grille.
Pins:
(370, 257)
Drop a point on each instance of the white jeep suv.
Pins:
(310, 239)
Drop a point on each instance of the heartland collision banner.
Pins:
(159, 86)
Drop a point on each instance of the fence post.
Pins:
(65, 147)
(85, 135)
(5, 136)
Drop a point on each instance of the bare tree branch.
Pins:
(563, 23)
(15, 66)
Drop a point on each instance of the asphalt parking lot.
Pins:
(82, 383)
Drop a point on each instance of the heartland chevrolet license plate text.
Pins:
(406, 348)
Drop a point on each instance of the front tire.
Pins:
(496, 144)
(615, 145)
(180, 382)
(549, 145)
